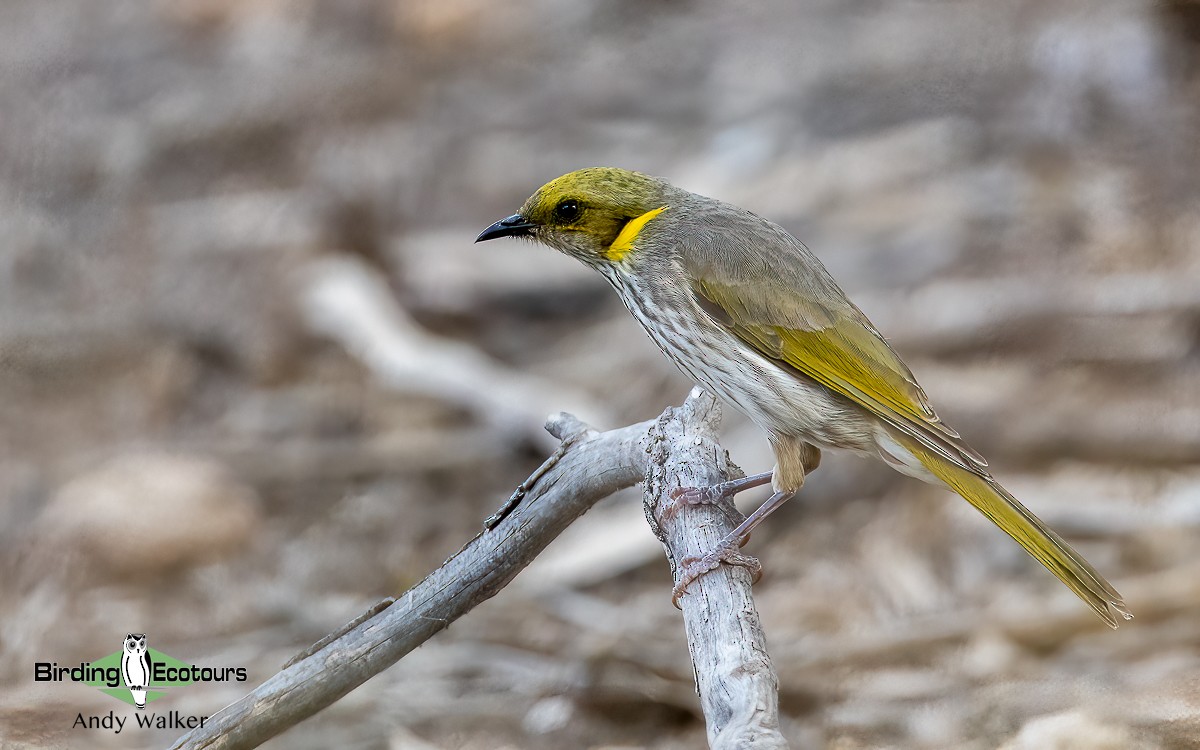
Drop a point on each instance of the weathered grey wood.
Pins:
(738, 687)
(593, 466)
(735, 680)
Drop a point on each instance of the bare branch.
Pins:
(738, 687)
(595, 466)
(734, 676)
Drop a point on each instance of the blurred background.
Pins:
(255, 376)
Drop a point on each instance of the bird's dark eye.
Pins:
(567, 211)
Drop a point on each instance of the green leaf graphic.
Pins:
(167, 671)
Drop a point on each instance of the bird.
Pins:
(749, 313)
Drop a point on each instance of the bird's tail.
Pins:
(1017, 521)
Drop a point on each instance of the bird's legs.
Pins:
(684, 496)
(794, 459)
(729, 548)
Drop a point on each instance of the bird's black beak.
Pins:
(514, 226)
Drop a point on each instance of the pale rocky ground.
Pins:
(254, 376)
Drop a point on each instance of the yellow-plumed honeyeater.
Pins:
(746, 310)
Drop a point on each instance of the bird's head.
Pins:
(592, 214)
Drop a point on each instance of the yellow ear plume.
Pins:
(624, 241)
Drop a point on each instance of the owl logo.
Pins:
(135, 667)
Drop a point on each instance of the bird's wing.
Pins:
(793, 312)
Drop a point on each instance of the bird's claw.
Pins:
(695, 495)
(682, 497)
(694, 567)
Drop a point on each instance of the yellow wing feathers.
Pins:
(856, 362)
(849, 357)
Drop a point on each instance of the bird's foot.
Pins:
(682, 497)
(694, 567)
